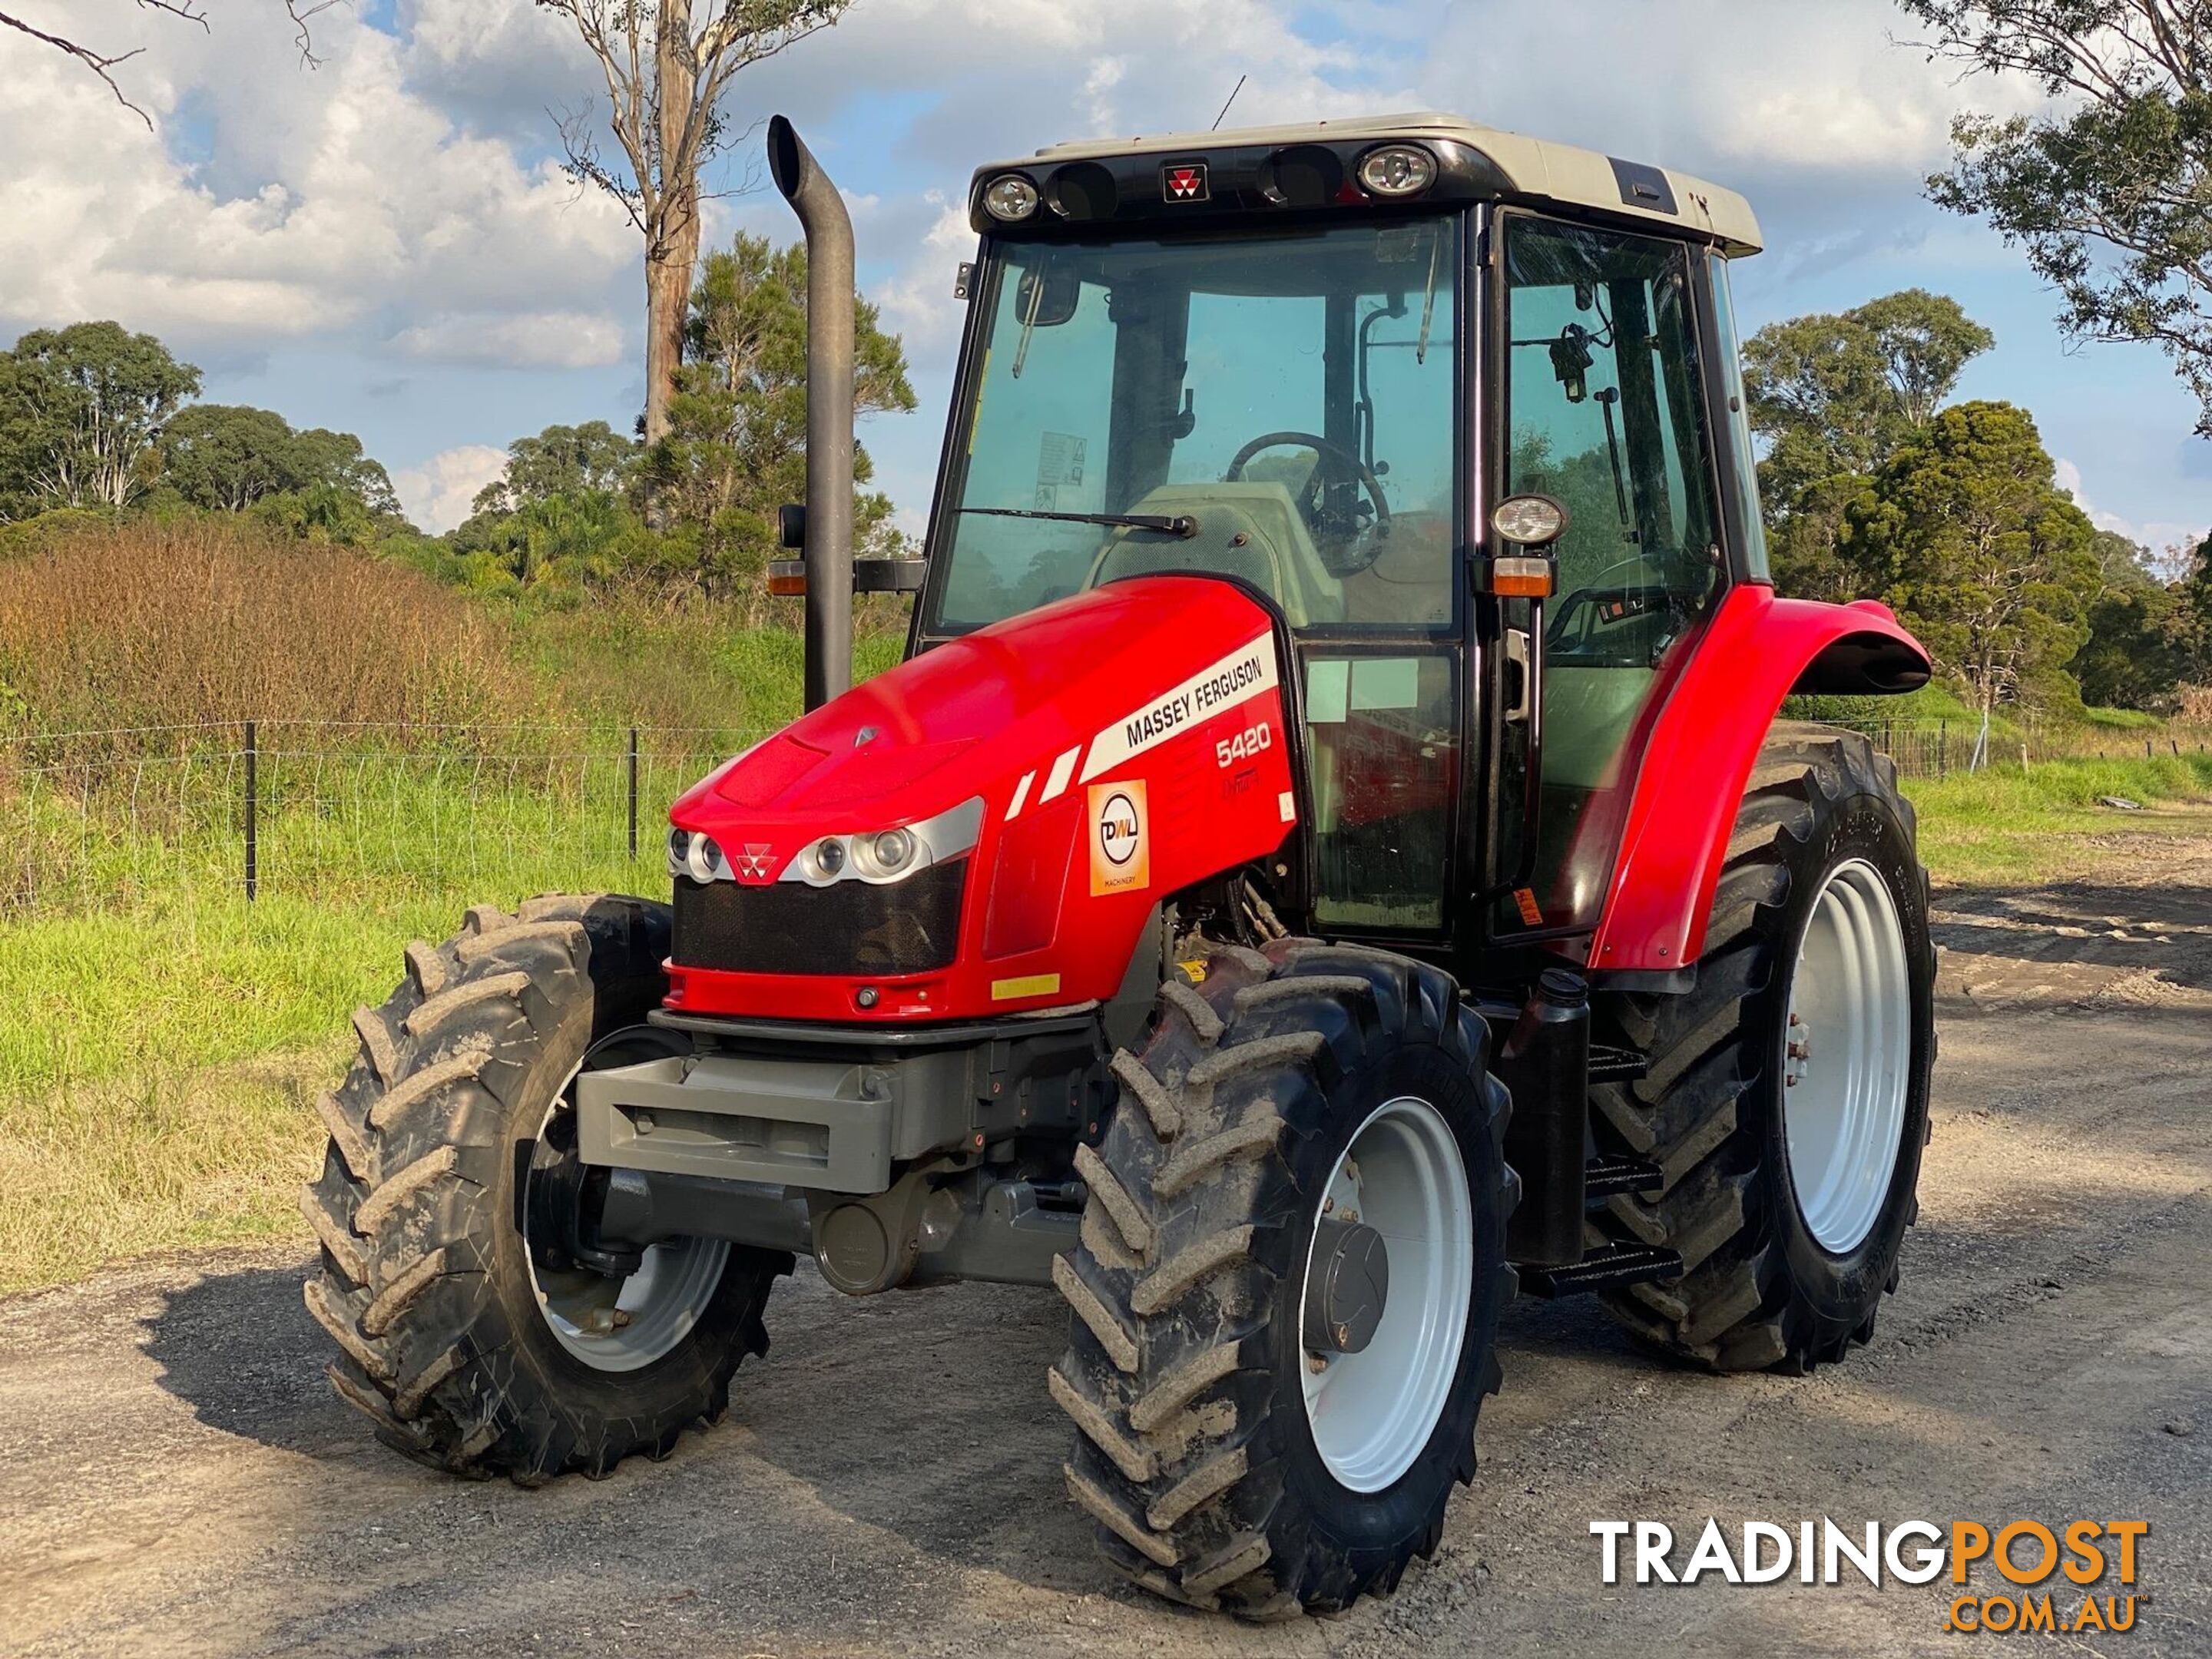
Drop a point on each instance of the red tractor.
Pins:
(1328, 860)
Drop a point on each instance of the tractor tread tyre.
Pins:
(424, 1280)
(1184, 1369)
(1755, 1292)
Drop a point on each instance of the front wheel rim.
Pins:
(1372, 1413)
(623, 1324)
(1846, 1057)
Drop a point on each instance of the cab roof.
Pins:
(1534, 171)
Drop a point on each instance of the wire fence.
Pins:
(93, 821)
(1937, 749)
(363, 812)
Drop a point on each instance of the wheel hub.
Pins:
(1347, 1287)
(1384, 1307)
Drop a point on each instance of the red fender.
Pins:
(1756, 650)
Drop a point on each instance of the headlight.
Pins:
(878, 856)
(703, 859)
(1010, 196)
(1397, 170)
(679, 851)
(822, 863)
(882, 856)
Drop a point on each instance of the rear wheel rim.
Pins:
(1372, 1413)
(622, 1324)
(1846, 1057)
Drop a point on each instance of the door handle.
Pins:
(1524, 696)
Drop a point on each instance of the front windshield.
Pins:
(1276, 406)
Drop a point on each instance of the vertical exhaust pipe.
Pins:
(830, 295)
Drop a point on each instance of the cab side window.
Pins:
(1605, 413)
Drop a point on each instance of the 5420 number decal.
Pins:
(1254, 740)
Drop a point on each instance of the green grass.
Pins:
(2005, 826)
(165, 1039)
(156, 1089)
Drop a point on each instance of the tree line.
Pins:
(1874, 485)
(97, 420)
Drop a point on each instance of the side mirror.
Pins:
(1571, 360)
(1047, 296)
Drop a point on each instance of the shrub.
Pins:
(172, 623)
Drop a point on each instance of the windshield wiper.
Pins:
(1180, 523)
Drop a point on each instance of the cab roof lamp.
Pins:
(1397, 170)
(1010, 197)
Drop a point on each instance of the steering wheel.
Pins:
(1344, 464)
(1596, 588)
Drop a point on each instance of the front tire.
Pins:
(1223, 1469)
(466, 1349)
(1787, 1100)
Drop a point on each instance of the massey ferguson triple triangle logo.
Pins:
(1184, 181)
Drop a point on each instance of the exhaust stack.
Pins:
(830, 294)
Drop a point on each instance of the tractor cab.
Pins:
(1317, 362)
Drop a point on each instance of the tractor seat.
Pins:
(1410, 581)
(1251, 531)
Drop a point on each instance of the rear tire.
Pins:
(1822, 824)
(446, 1339)
(1188, 1368)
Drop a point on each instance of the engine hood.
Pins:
(1060, 773)
(970, 718)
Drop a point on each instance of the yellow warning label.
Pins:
(1029, 985)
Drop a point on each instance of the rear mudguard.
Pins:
(1757, 650)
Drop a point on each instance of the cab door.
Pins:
(1604, 409)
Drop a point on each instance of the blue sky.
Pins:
(385, 244)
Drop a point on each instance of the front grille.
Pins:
(909, 927)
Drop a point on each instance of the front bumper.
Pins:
(838, 1108)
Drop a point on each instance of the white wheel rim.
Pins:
(625, 1325)
(1846, 1057)
(1372, 1413)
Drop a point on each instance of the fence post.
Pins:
(252, 813)
(1942, 748)
(2147, 754)
(632, 794)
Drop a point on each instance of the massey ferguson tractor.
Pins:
(1327, 862)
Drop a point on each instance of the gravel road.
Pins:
(177, 1479)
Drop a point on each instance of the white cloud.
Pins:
(538, 340)
(1748, 90)
(437, 493)
(2160, 536)
(918, 303)
(331, 196)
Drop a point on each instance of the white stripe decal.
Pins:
(1238, 678)
(1021, 795)
(1061, 770)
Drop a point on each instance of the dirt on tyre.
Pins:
(465, 1346)
(1229, 1461)
(1787, 1099)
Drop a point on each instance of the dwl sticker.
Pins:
(1120, 838)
